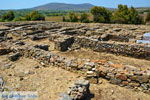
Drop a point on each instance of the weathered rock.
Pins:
(121, 77)
(64, 43)
(4, 51)
(2, 33)
(36, 37)
(105, 37)
(44, 47)
(20, 43)
(14, 57)
(1, 84)
(115, 81)
(141, 79)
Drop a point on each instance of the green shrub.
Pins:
(125, 15)
(84, 18)
(147, 19)
(19, 19)
(9, 16)
(101, 14)
(34, 16)
(73, 17)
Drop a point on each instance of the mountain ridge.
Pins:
(64, 6)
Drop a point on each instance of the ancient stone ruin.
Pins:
(49, 42)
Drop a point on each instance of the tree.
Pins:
(147, 19)
(73, 17)
(125, 15)
(9, 16)
(34, 16)
(101, 14)
(84, 18)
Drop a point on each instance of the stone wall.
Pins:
(123, 75)
(126, 49)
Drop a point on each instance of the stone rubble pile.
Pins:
(4, 50)
(78, 91)
(14, 56)
(63, 43)
(1, 84)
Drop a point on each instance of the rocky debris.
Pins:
(4, 51)
(78, 91)
(1, 84)
(64, 43)
(123, 75)
(2, 33)
(19, 43)
(14, 56)
(68, 35)
(43, 46)
(6, 66)
(75, 46)
(105, 37)
(36, 37)
(117, 29)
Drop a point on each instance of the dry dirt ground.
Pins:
(50, 81)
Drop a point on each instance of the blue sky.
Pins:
(19, 4)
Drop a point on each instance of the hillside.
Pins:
(64, 6)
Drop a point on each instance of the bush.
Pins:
(147, 19)
(101, 14)
(63, 18)
(125, 15)
(73, 17)
(34, 16)
(19, 19)
(9, 16)
(84, 18)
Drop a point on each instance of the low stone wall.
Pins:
(133, 50)
(123, 75)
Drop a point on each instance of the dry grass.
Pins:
(54, 18)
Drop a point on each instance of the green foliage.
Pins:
(9, 16)
(84, 18)
(125, 15)
(19, 19)
(34, 16)
(63, 18)
(147, 17)
(73, 17)
(101, 14)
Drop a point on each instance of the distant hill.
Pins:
(64, 6)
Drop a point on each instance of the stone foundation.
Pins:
(123, 75)
(133, 50)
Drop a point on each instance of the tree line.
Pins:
(123, 15)
(32, 16)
